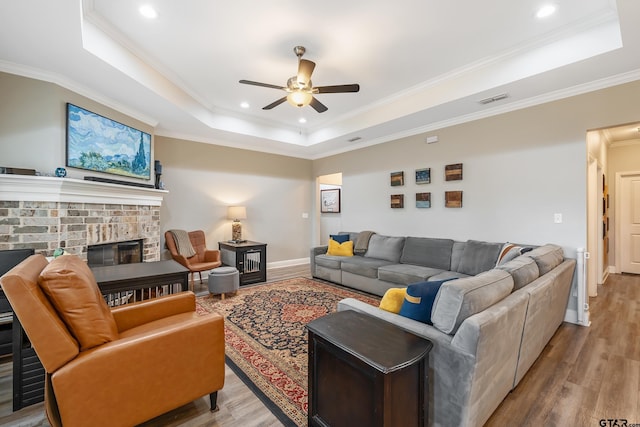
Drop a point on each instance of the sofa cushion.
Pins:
(363, 266)
(547, 257)
(406, 273)
(329, 261)
(459, 299)
(340, 238)
(72, 289)
(523, 269)
(340, 249)
(478, 257)
(392, 299)
(418, 301)
(427, 252)
(387, 248)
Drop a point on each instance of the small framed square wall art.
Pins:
(397, 201)
(330, 201)
(423, 200)
(423, 176)
(453, 199)
(397, 179)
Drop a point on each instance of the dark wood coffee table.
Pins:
(364, 371)
(139, 275)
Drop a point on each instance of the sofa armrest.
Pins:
(318, 250)
(138, 377)
(138, 313)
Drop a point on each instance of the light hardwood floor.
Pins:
(583, 375)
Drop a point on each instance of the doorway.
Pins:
(328, 222)
(628, 220)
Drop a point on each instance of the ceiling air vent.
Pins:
(354, 139)
(493, 99)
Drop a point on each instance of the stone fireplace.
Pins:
(45, 213)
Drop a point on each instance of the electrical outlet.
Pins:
(557, 218)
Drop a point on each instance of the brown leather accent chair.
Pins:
(113, 366)
(204, 259)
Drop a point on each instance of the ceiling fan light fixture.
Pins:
(299, 98)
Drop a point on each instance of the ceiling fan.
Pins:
(299, 87)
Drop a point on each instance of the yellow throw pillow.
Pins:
(393, 299)
(340, 249)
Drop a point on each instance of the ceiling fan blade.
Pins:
(305, 69)
(249, 82)
(337, 89)
(275, 103)
(318, 106)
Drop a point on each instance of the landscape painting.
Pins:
(99, 144)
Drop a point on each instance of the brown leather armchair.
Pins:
(204, 259)
(113, 367)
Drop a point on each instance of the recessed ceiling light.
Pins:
(148, 11)
(546, 10)
(302, 120)
(244, 104)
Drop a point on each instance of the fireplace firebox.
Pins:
(115, 253)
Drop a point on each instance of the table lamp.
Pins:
(236, 213)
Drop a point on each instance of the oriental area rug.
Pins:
(266, 338)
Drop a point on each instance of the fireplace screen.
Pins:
(115, 253)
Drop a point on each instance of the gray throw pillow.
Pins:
(385, 247)
(478, 257)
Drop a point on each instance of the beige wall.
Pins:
(33, 121)
(204, 179)
(519, 169)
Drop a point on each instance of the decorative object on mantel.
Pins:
(16, 171)
(157, 167)
(423, 176)
(236, 213)
(397, 201)
(453, 199)
(330, 200)
(397, 179)
(453, 172)
(61, 172)
(423, 200)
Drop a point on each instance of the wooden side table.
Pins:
(250, 258)
(364, 371)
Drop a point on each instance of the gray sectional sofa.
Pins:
(489, 325)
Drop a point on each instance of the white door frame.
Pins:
(592, 226)
(618, 225)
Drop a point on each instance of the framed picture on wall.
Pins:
(423, 200)
(397, 201)
(423, 176)
(330, 201)
(453, 172)
(397, 179)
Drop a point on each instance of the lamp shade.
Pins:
(236, 212)
(299, 98)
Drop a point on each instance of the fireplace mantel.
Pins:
(52, 189)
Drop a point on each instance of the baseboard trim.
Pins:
(571, 316)
(288, 263)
